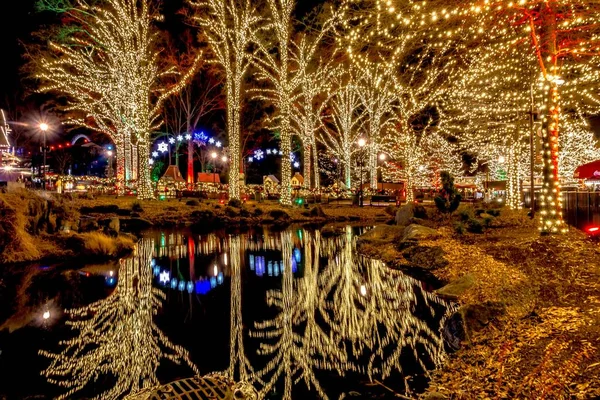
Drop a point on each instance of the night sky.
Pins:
(20, 20)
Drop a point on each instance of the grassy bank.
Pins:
(546, 343)
(33, 227)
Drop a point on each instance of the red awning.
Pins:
(588, 171)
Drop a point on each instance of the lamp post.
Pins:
(361, 144)
(214, 157)
(44, 128)
(382, 158)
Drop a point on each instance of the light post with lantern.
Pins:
(214, 158)
(44, 128)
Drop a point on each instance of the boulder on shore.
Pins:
(416, 232)
(429, 258)
(404, 214)
(455, 288)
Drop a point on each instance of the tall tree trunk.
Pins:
(145, 190)
(190, 163)
(550, 199)
(513, 195)
(307, 167)
(315, 156)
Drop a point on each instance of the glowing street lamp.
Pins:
(44, 128)
(214, 157)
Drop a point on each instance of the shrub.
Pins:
(487, 221)
(459, 228)
(137, 206)
(493, 212)
(278, 214)
(258, 212)
(419, 211)
(466, 214)
(244, 213)
(230, 212)
(479, 211)
(474, 226)
(449, 198)
(235, 203)
(217, 207)
(192, 203)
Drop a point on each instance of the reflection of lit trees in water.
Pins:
(239, 365)
(117, 338)
(353, 302)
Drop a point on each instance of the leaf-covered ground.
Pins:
(547, 345)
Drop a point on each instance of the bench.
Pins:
(382, 199)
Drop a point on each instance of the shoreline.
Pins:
(529, 317)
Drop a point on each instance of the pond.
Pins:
(293, 313)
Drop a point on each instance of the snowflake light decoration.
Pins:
(155, 154)
(250, 159)
(172, 140)
(268, 151)
(188, 136)
(218, 144)
(259, 154)
(296, 164)
(165, 277)
(200, 137)
(179, 138)
(292, 157)
(151, 161)
(211, 141)
(280, 152)
(163, 147)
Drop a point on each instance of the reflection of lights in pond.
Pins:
(165, 277)
(363, 290)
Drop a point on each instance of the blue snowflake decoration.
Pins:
(259, 154)
(200, 137)
(292, 157)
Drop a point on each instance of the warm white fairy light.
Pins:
(561, 37)
(116, 337)
(110, 71)
(344, 120)
(229, 27)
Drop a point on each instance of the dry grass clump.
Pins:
(16, 243)
(97, 244)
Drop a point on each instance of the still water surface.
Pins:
(295, 314)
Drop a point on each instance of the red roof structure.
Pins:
(208, 178)
(588, 171)
(172, 174)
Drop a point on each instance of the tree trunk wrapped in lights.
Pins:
(418, 158)
(117, 337)
(378, 94)
(561, 35)
(111, 73)
(228, 26)
(313, 80)
(343, 120)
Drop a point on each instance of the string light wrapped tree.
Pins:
(561, 35)
(108, 68)
(313, 89)
(228, 26)
(343, 120)
(116, 337)
(378, 95)
(417, 157)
